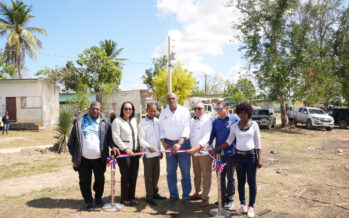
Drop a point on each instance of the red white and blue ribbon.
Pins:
(111, 162)
(218, 166)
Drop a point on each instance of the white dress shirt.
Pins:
(149, 136)
(245, 140)
(200, 131)
(174, 125)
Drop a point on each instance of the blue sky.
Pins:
(203, 38)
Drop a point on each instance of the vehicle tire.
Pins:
(329, 128)
(309, 124)
(342, 124)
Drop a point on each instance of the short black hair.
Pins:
(223, 103)
(150, 104)
(122, 109)
(244, 106)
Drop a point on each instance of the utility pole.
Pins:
(205, 84)
(169, 66)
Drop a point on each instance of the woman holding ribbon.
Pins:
(125, 136)
(248, 155)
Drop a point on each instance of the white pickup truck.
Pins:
(313, 117)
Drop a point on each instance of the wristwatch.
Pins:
(180, 143)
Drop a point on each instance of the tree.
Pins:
(243, 90)
(7, 71)
(150, 73)
(49, 74)
(182, 83)
(110, 47)
(264, 31)
(80, 101)
(65, 122)
(20, 40)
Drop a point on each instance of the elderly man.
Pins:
(220, 131)
(200, 130)
(149, 139)
(174, 133)
(88, 144)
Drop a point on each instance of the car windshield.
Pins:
(316, 111)
(260, 112)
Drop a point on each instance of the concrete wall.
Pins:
(115, 100)
(37, 101)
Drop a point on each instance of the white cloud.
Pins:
(206, 29)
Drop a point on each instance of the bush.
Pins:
(63, 129)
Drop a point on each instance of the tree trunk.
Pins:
(283, 111)
(326, 106)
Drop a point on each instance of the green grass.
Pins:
(33, 168)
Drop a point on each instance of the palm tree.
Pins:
(110, 47)
(63, 129)
(20, 38)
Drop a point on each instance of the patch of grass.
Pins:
(33, 168)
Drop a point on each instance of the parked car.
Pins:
(313, 117)
(264, 117)
(340, 116)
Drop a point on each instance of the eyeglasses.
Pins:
(127, 109)
(219, 109)
(197, 108)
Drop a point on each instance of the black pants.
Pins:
(85, 176)
(227, 179)
(129, 171)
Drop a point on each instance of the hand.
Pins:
(191, 151)
(211, 151)
(116, 151)
(175, 148)
(259, 164)
(129, 153)
(166, 146)
(152, 149)
(161, 155)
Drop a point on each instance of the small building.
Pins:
(31, 103)
(139, 98)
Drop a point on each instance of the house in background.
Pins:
(31, 103)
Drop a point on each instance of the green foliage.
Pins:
(7, 71)
(20, 39)
(80, 101)
(150, 73)
(63, 129)
(49, 74)
(182, 83)
(242, 91)
(110, 48)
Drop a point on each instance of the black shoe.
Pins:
(151, 202)
(134, 203)
(223, 202)
(171, 200)
(159, 197)
(99, 202)
(89, 207)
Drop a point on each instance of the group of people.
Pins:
(237, 143)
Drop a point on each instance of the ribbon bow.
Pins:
(219, 166)
(111, 162)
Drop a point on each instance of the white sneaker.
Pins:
(250, 212)
(242, 209)
(229, 205)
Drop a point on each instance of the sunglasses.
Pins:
(219, 109)
(197, 108)
(127, 109)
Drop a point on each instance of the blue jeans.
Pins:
(183, 160)
(6, 127)
(247, 166)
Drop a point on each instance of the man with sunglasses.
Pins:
(174, 123)
(220, 131)
(200, 130)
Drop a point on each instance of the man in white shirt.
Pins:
(200, 131)
(290, 115)
(174, 133)
(149, 139)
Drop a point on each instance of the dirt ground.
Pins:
(308, 177)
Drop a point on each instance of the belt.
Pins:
(245, 152)
(174, 141)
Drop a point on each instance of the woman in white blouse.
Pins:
(248, 155)
(125, 136)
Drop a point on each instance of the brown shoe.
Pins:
(204, 203)
(195, 197)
